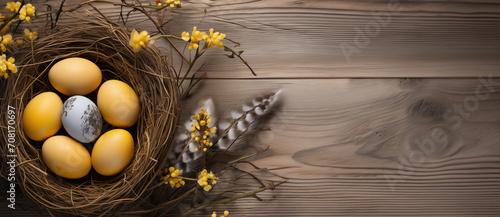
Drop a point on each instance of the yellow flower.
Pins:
(196, 37)
(206, 180)
(173, 177)
(19, 43)
(185, 36)
(174, 3)
(13, 6)
(27, 12)
(215, 39)
(7, 65)
(5, 40)
(30, 35)
(226, 213)
(139, 40)
(200, 131)
(169, 3)
(193, 45)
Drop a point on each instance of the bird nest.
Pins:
(146, 71)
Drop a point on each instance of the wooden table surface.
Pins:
(389, 108)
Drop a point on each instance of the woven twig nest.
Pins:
(147, 72)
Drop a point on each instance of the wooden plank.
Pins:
(304, 39)
(365, 147)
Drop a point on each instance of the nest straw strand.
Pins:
(147, 72)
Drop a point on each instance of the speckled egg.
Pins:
(81, 119)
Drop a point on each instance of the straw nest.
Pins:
(147, 72)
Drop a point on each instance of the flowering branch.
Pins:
(238, 54)
(271, 186)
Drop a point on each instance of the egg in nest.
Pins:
(81, 119)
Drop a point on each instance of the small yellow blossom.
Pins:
(7, 65)
(169, 3)
(27, 12)
(13, 6)
(19, 43)
(5, 40)
(215, 39)
(185, 36)
(30, 35)
(226, 213)
(173, 177)
(200, 131)
(174, 3)
(139, 40)
(206, 180)
(195, 39)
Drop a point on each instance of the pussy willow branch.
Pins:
(271, 186)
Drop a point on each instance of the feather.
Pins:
(183, 136)
(223, 126)
(242, 121)
(231, 132)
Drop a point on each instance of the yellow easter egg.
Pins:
(66, 157)
(42, 116)
(75, 76)
(118, 103)
(112, 152)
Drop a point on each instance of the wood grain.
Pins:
(357, 147)
(397, 146)
(304, 39)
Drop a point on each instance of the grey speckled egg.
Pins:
(81, 119)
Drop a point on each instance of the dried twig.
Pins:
(271, 186)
